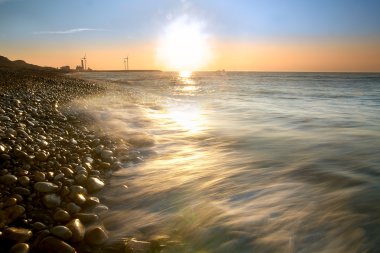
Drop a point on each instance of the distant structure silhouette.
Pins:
(126, 66)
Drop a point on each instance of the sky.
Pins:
(251, 35)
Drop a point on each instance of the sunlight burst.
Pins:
(183, 46)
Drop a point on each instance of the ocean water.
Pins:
(244, 161)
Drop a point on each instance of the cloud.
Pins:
(70, 31)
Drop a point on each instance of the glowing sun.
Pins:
(183, 46)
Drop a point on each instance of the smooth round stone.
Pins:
(80, 178)
(38, 225)
(87, 218)
(137, 246)
(92, 201)
(100, 209)
(39, 176)
(61, 232)
(45, 187)
(51, 200)
(52, 244)
(77, 229)
(11, 213)
(67, 171)
(79, 199)
(81, 170)
(61, 216)
(24, 180)
(106, 154)
(21, 190)
(8, 179)
(17, 234)
(10, 202)
(94, 184)
(77, 189)
(42, 156)
(96, 236)
(20, 248)
(2, 149)
(73, 208)
(59, 177)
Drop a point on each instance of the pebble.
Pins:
(73, 208)
(100, 209)
(80, 178)
(45, 187)
(137, 246)
(24, 180)
(52, 244)
(8, 179)
(10, 214)
(42, 156)
(87, 218)
(39, 176)
(20, 248)
(106, 154)
(38, 225)
(21, 190)
(59, 176)
(51, 200)
(10, 202)
(94, 184)
(17, 234)
(61, 216)
(77, 230)
(61, 232)
(96, 236)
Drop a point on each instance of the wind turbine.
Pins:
(126, 67)
(85, 62)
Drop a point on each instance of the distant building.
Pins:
(79, 68)
(65, 68)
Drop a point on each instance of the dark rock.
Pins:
(20, 248)
(77, 229)
(96, 236)
(51, 244)
(17, 234)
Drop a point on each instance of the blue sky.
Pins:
(101, 22)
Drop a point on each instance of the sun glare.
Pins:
(183, 46)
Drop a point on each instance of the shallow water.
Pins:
(246, 162)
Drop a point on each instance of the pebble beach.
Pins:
(53, 167)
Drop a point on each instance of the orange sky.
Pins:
(305, 55)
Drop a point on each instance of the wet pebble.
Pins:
(94, 184)
(17, 234)
(51, 200)
(45, 187)
(77, 230)
(20, 248)
(87, 218)
(8, 179)
(61, 216)
(96, 236)
(61, 232)
(52, 244)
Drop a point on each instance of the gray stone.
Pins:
(42, 156)
(80, 178)
(61, 216)
(106, 154)
(52, 244)
(77, 229)
(73, 208)
(8, 179)
(39, 225)
(17, 234)
(22, 191)
(137, 246)
(94, 184)
(87, 218)
(39, 176)
(24, 180)
(51, 200)
(10, 214)
(20, 248)
(59, 176)
(96, 236)
(100, 209)
(79, 199)
(45, 187)
(61, 232)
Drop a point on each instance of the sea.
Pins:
(243, 161)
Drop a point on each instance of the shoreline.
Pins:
(52, 167)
